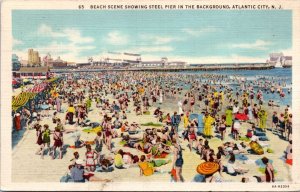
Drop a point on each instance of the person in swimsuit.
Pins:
(289, 126)
(255, 114)
(133, 129)
(27, 116)
(46, 139)
(192, 135)
(99, 144)
(90, 160)
(282, 124)
(39, 141)
(178, 161)
(147, 146)
(222, 127)
(81, 115)
(58, 142)
(192, 103)
(269, 171)
(108, 135)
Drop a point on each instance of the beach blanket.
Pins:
(263, 138)
(259, 162)
(269, 150)
(158, 162)
(161, 156)
(66, 178)
(241, 157)
(93, 130)
(258, 133)
(95, 124)
(123, 143)
(157, 156)
(86, 143)
(152, 124)
(249, 161)
(146, 113)
(244, 139)
(199, 178)
(263, 169)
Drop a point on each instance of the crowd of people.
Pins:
(190, 109)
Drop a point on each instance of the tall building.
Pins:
(33, 57)
(30, 56)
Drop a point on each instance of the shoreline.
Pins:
(62, 70)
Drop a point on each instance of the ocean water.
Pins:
(282, 75)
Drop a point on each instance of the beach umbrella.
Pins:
(242, 117)
(199, 178)
(207, 168)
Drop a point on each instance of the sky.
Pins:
(194, 36)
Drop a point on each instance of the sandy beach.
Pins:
(28, 167)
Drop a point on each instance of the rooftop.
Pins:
(33, 70)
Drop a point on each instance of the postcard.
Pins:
(150, 95)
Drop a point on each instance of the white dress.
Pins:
(180, 111)
(160, 98)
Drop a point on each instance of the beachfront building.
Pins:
(163, 63)
(83, 65)
(57, 63)
(48, 61)
(112, 60)
(287, 61)
(32, 72)
(115, 60)
(71, 64)
(24, 63)
(279, 60)
(177, 64)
